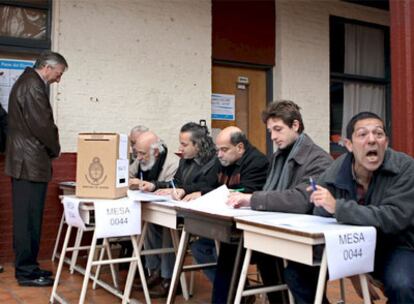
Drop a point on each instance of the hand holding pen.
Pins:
(321, 197)
(177, 193)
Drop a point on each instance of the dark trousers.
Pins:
(394, 268)
(28, 204)
(204, 251)
(269, 268)
(302, 281)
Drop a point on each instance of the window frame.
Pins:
(355, 78)
(28, 45)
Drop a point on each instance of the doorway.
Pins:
(248, 85)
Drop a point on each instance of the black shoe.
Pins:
(39, 282)
(153, 280)
(43, 273)
(161, 290)
(1, 269)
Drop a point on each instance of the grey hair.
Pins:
(139, 128)
(159, 145)
(50, 58)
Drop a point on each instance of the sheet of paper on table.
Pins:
(142, 196)
(215, 202)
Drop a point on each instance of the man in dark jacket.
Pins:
(296, 159)
(372, 185)
(242, 168)
(33, 142)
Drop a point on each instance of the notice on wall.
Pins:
(350, 251)
(10, 70)
(223, 107)
(114, 218)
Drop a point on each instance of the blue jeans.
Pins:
(394, 268)
(204, 251)
(159, 237)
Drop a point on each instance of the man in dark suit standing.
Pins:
(32, 143)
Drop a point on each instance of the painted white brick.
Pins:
(132, 62)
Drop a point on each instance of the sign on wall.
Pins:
(10, 70)
(223, 107)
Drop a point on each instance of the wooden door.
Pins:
(249, 88)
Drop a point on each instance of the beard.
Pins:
(224, 163)
(147, 165)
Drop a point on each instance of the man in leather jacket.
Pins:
(33, 141)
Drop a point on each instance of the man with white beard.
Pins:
(155, 164)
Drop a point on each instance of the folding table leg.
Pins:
(178, 266)
(365, 290)
(291, 299)
(88, 269)
(62, 221)
(184, 287)
(243, 276)
(61, 260)
(98, 268)
(137, 249)
(342, 288)
(114, 274)
(230, 297)
(321, 279)
(75, 253)
(106, 246)
(137, 263)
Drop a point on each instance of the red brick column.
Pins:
(402, 73)
(64, 169)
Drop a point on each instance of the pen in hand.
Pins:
(312, 183)
(174, 189)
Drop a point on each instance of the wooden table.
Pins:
(165, 215)
(88, 206)
(208, 223)
(261, 234)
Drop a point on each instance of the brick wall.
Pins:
(64, 169)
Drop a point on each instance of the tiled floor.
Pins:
(11, 292)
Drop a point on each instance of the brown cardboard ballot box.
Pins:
(102, 165)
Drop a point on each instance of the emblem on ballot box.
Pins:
(96, 172)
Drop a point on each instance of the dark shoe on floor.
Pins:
(43, 273)
(1, 269)
(39, 282)
(161, 290)
(153, 280)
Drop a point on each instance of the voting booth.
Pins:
(102, 165)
